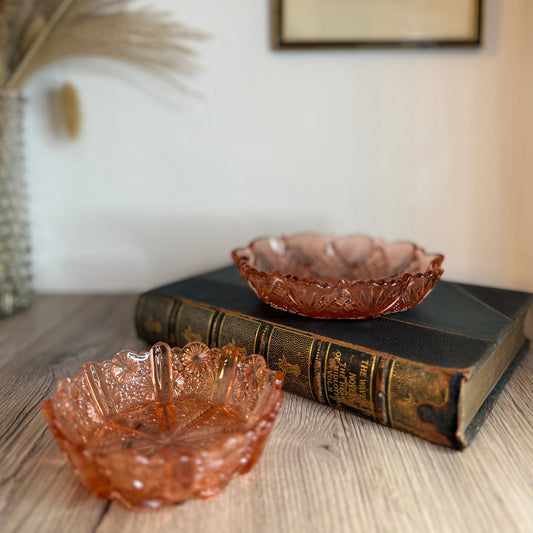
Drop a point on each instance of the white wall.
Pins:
(424, 145)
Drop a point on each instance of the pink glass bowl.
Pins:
(166, 425)
(346, 277)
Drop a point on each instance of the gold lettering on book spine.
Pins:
(348, 380)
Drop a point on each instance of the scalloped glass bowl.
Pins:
(346, 277)
(166, 425)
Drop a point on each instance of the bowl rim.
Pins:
(48, 407)
(242, 260)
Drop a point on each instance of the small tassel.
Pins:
(70, 110)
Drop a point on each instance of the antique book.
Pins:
(434, 370)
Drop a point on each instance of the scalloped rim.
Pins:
(48, 405)
(88, 462)
(242, 259)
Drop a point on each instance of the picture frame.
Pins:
(375, 23)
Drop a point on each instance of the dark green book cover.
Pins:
(433, 370)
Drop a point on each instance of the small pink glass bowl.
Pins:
(346, 277)
(163, 426)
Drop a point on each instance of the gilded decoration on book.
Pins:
(347, 380)
(241, 348)
(288, 368)
(152, 325)
(434, 370)
(190, 336)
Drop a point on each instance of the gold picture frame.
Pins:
(375, 23)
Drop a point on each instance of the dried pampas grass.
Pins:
(34, 29)
(14, 18)
(35, 33)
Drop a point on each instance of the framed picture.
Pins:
(375, 23)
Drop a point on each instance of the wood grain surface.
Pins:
(322, 469)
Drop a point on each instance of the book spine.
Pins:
(402, 394)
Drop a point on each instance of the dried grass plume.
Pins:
(35, 33)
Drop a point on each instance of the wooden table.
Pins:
(322, 470)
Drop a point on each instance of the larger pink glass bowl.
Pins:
(346, 277)
(163, 426)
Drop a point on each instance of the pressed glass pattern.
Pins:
(166, 425)
(346, 277)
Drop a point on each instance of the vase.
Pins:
(16, 287)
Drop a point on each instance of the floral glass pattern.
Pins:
(166, 425)
(346, 277)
